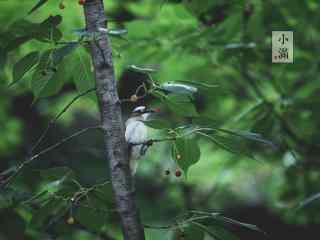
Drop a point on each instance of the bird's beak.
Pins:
(154, 110)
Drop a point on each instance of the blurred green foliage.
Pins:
(260, 145)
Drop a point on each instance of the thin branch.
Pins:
(136, 97)
(180, 223)
(55, 119)
(158, 227)
(77, 196)
(46, 150)
(152, 141)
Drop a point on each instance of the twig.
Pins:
(46, 150)
(152, 141)
(55, 119)
(158, 227)
(77, 196)
(136, 94)
(179, 224)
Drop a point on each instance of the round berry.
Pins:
(134, 98)
(178, 156)
(70, 220)
(61, 6)
(167, 172)
(82, 2)
(178, 173)
(157, 110)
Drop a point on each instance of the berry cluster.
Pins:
(177, 173)
(63, 6)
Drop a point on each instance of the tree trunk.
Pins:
(115, 145)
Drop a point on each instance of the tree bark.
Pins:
(112, 124)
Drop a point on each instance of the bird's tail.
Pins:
(133, 166)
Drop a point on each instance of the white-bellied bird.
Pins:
(137, 135)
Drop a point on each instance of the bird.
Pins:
(136, 135)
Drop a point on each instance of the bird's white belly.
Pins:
(136, 133)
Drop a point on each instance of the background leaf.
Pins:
(39, 4)
(181, 104)
(24, 65)
(189, 232)
(186, 152)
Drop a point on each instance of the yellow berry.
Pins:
(70, 220)
(134, 98)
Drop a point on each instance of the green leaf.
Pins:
(143, 69)
(217, 221)
(21, 27)
(249, 111)
(221, 233)
(178, 88)
(47, 78)
(117, 32)
(42, 74)
(158, 94)
(39, 81)
(248, 135)
(18, 33)
(102, 197)
(38, 5)
(47, 30)
(230, 144)
(157, 123)
(238, 223)
(16, 42)
(83, 76)
(59, 53)
(188, 232)
(53, 174)
(91, 218)
(23, 31)
(12, 225)
(186, 152)
(48, 210)
(58, 79)
(181, 104)
(52, 21)
(6, 199)
(198, 84)
(55, 183)
(24, 65)
(3, 58)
